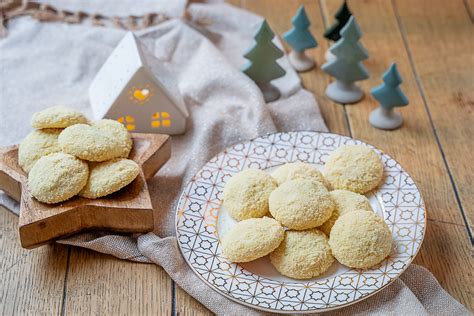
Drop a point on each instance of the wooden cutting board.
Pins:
(128, 210)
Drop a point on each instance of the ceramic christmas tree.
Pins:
(262, 66)
(347, 68)
(300, 39)
(389, 95)
(333, 33)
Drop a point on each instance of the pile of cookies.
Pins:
(67, 156)
(315, 217)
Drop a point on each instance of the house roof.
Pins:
(126, 60)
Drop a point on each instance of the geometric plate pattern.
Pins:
(402, 208)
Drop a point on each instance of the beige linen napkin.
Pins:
(53, 63)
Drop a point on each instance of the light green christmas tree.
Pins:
(389, 95)
(262, 66)
(300, 38)
(347, 65)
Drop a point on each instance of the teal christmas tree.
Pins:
(347, 66)
(389, 95)
(300, 38)
(342, 16)
(262, 66)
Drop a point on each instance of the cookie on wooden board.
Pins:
(37, 144)
(119, 132)
(101, 141)
(57, 117)
(57, 177)
(109, 176)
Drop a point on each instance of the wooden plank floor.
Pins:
(432, 42)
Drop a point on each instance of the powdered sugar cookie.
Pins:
(346, 201)
(360, 239)
(119, 132)
(101, 141)
(37, 144)
(299, 170)
(303, 254)
(251, 239)
(57, 117)
(355, 168)
(57, 177)
(246, 194)
(301, 204)
(109, 176)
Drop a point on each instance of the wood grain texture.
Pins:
(32, 282)
(446, 81)
(99, 284)
(414, 146)
(446, 252)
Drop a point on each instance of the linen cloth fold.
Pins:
(54, 63)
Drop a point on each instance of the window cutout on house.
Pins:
(159, 119)
(128, 121)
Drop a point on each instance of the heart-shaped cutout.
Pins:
(141, 94)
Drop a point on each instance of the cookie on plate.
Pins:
(57, 117)
(360, 239)
(119, 132)
(37, 144)
(303, 254)
(251, 239)
(355, 168)
(246, 194)
(346, 201)
(301, 204)
(109, 176)
(98, 142)
(57, 177)
(299, 170)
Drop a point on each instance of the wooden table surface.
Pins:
(433, 44)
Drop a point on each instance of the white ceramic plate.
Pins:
(201, 221)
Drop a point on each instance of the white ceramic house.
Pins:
(133, 88)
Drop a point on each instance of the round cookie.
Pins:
(303, 254)
(37, 144)
(299, 170)
(355, 168)
(346, 201)
(360, 239)
(57, 117)
(119, 132)
(301, 204)
(246, 194)
(99, 142)
(57, 177)
(251, 239)
(109, 176)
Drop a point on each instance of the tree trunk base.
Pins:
(385, 119)
(344, 93)
(300, 61)
(269, 91)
